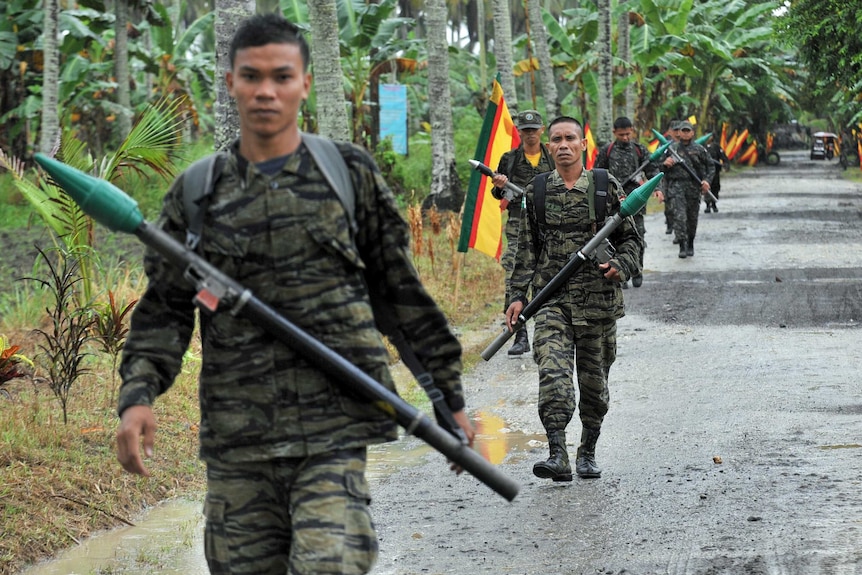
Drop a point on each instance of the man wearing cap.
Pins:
(519, 166)
(622, 158)
(673, 131)
(683, 191)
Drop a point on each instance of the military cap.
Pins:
(685, 124)
(529, 119)
(674, 125)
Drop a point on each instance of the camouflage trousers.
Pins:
(508, 260)
(641, 228)
(302, 516)
(685, 202)
(561, 349)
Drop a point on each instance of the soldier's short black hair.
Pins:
(565, 120)
(270, 28)
(622, 123)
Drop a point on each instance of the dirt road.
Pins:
(734, 440)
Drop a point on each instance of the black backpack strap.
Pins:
(600, 180)
(334, 168)
(198, 185)
(540, 183)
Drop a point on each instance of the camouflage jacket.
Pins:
(515, 166)
(588, 295)
(695, 156)
(286, 238)
(624, 158)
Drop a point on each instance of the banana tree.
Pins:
(572, 39)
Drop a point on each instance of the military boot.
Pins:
(689, 250)
(683, 248)
(522, 343)
(557, 467)
(585, 464)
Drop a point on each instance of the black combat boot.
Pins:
(557, 467)
(522, 343)
(585, 464)
(689, 250)
(708, 208)
(638, 280)
(683, 248)
(714, 207)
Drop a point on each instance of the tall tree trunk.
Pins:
(121, 69)
(605, 106)
(503, 51)
(332, 117)
(229, 13)
(446, 191)
(543, 54)
(624, 50)
(51, 78)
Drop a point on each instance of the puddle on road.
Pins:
(168, 540)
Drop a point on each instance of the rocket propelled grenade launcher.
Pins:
(217, 292)
(513, 192)
(652, 158)
(709, 195)
(632, 205)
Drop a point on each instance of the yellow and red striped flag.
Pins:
(592, 151)
(481, 220)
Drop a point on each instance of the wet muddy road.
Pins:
(734, 440)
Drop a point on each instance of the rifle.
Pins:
(217, 293)
(632, 205)
(513, 192)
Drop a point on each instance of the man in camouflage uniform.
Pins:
(622, 158)
(576, 329)
(520, 166)
(683, 191)
(673, 130)
(719, 161)
(284, 444)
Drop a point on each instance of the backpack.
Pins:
(198, 185)
(199, 182)
(597, 198)
(637, 149)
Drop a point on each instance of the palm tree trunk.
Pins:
(624, 51)
(51, 78)
(543, 54)
(605, 106)
(332, 117)
(446, 190)
(121, 69)
(229, 13)
(503, 51)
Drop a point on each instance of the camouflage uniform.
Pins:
(621, 159)
(283, 442)
(581, 316)
(515, 166)
(684, 192)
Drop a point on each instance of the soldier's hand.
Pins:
(469, 432)
(610, 272)
(669, 161)
(659, 195)
(500, 180)
(512, 314)
(136, 422)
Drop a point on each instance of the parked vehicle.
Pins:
(823, 145)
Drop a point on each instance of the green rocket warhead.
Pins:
(103, 201)
(659, 136)
(659, 151)
(638, 198)
(703, 139)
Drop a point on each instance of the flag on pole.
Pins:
(592, 150)
(481, 220)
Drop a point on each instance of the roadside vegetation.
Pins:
(59, 479)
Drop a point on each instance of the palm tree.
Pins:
(503, 50)
(51, 78)
(121, 69)
(605, 106)
(446, 192)
(229, 13)
(332, 120)
(539, 38)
